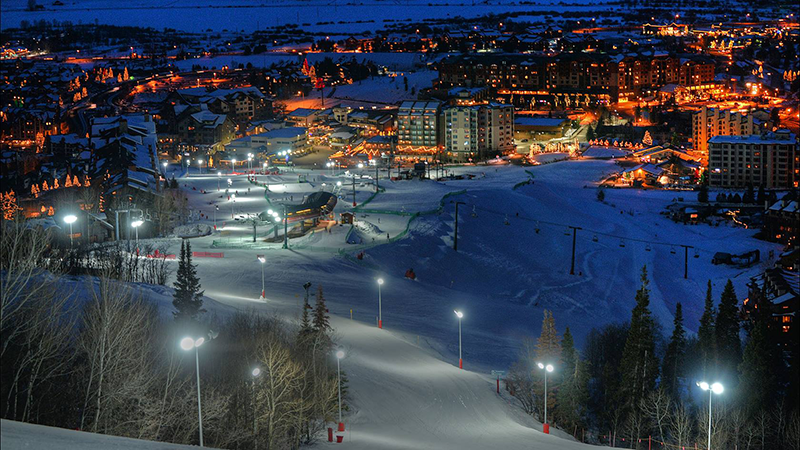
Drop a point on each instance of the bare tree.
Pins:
(24, 277)
(115, 338)
(791, 435)
(657, 406)
(680, 425)
(276, 393)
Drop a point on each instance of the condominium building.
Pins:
(710, 122)
(418, 126)
(768, 159)
(477, 131)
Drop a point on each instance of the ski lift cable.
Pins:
(540, 222)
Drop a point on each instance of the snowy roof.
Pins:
(792, 207)
(767, 138)
(288, 132)
(303, 112)
(539, 121)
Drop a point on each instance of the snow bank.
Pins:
(192, 230)
(25, 436)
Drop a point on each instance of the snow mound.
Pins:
(367, 227)
(18, 435)
(192, 230)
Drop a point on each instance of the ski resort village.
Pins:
(399, 225)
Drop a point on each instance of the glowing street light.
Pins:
(547, 368)
(339, 356)
(69, 220)
(200, 166)
(715, 388)
(380, 314)
(460, 315)
(187, 344)
(233, 200)
(262, 259)
(256, 372)
(136, 224)
(219, 176)
(233, 164)
(165, 164)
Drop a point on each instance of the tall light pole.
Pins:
(69, 220)
(546, 368)
(460, 315)
(187, 344)
(249, 162)
(339, 356)
(136, 224)
(165, 164)
(715, 388)
(216, 208)
(200, 166)
(233, 200)
(233, 164)
(256, 372)
(219, 176)
(380, 314)
(262, 259)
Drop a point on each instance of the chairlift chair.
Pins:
(566, 232)
(621, 243)
(594, 238)
(696, 253)
(647, 248)
(672, 250)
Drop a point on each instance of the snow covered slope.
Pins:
(25, 436)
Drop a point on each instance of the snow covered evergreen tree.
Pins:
(673, 359)
(573, 392)
(321, 322)
(548, 348)
(726, 330)
(639, 362)
(705, 334)
(757, 382)
(188, 298)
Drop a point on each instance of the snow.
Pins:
(25, 436)
(406, 390)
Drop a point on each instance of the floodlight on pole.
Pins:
(69, 220)
(339, 356)
(262, 259)
(187, 344)
(233, 164)
(219, 176)
(715, 388)
(200, 166)
(136, 224)
(460, 315)
(546, 368)
(380, 313)
(256, 372)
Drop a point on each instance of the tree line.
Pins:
(103, 357)
(644, 392)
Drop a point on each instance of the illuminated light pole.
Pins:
(187, 344)
(715, 388)
(263, 260)
(165, 164)
(219, 176)
(460, 315)
(339, 356)
(69, 220)
(380, 314)
(249, 162)
(216, 208)
(546, 368)
(136, 224)
(256, 372)
(233, 165)
(233, 200)
(200, 166)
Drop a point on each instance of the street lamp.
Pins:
(69, 220)
(715, 388)
(187, 344)
(233, 200)
(262, 259)
(200, 166)
(136, 224)
(380, 314)
(256, 372)
(219, 176)
(460, 315)
(546, 368)
(165, 164)
(233, 164)
(339, 356)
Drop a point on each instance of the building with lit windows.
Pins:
(766, 160)
(478, 131)
(778, 289)
(710, 122)
(418, 127)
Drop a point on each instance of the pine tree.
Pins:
(705, 334)
(673, 359)
(548, 349)
(568, 354)
(757, 382)
(573, 393)
(726, 331)
(639, 362)
(188, 298)
(320, 323)
(305, 322)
